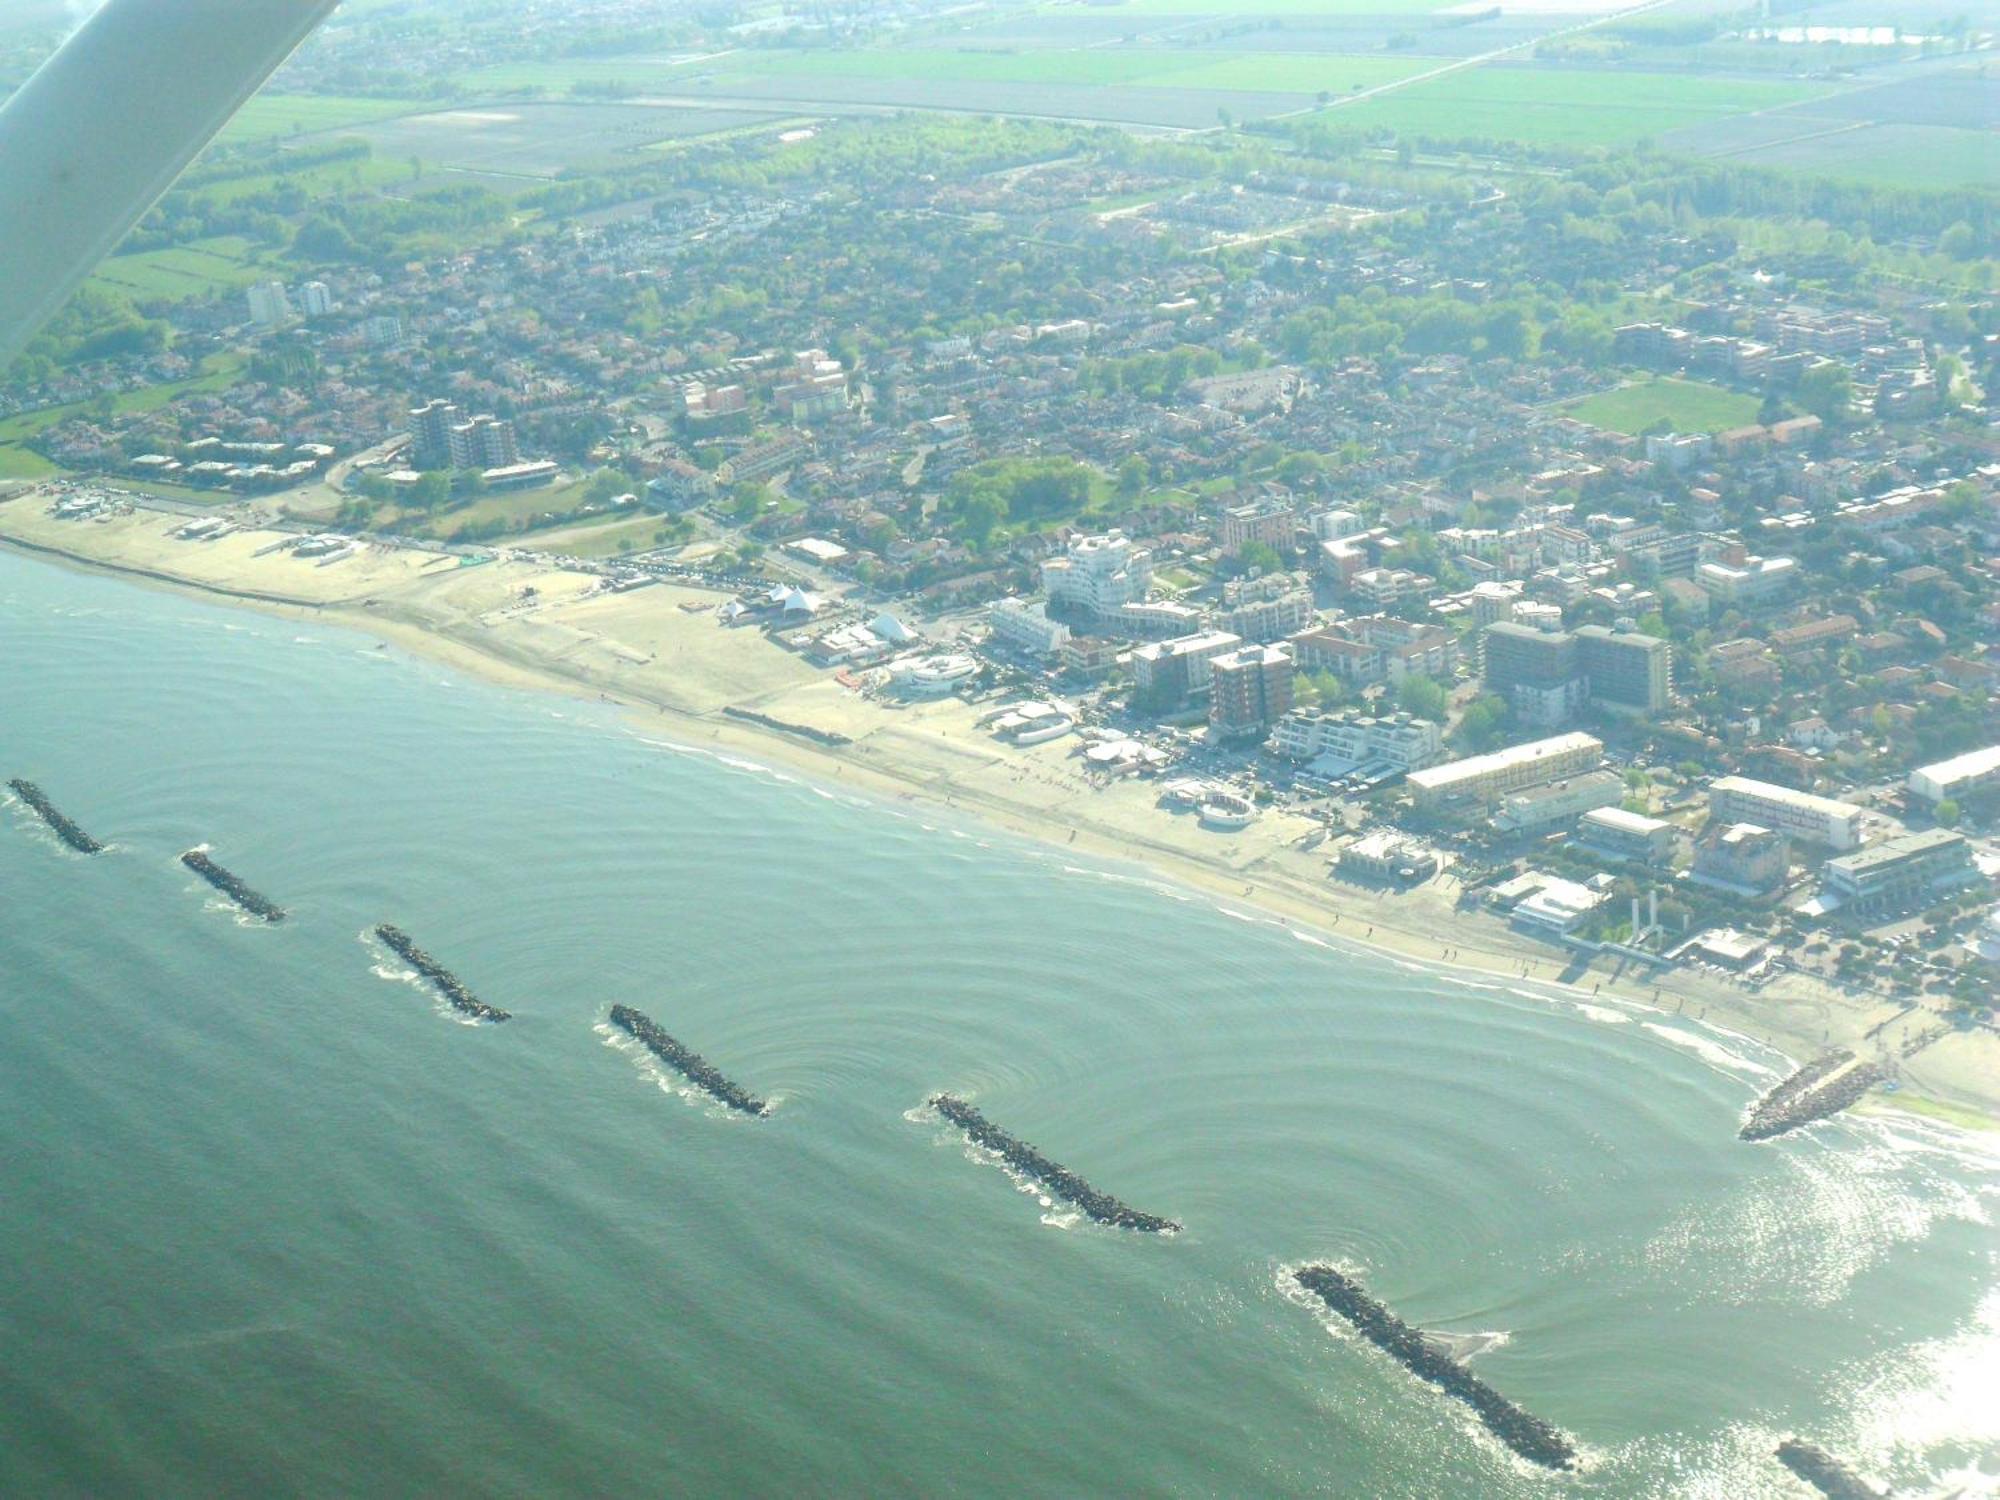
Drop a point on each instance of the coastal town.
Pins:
(1556, 564)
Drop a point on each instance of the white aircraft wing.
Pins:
(105, 126)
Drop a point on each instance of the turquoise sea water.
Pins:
(273, 1223)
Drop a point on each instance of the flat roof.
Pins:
(1629, 822)
(1972, 763)
(1770, 790)
(1453, 772)
(1896, 850)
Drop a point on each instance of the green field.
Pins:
(1542, 106)
(218, 372)
(193, 270)
(556, 79)
(17, 462)
(1091, 65)
(272, 115)
(1908, 156)
(1300, 9)
(1685, 405)
(1257, 72)
(1298, 72)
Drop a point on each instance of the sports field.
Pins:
(1685, 405)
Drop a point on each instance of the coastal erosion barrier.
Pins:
(1528, 1435)
(448, 984)
(1058, 1179)
(1824, 1472)
(829, 737)
(690, 1064)
(49, 813)
(1824, 1086)
(233, 886)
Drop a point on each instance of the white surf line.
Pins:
(1471, 62)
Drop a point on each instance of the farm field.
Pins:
(1562, 107)
(1109, 67)
(1686, 405)
(271, 115)
(541, 140)
(556, 79)
(1240, 9)
(191, 270)
(1916, 156)
(1163, 105)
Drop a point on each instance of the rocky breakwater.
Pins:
(1528, 1435)
(690, 1064)
(49, 813)
(1824, 1086)
(232, 886)
(1825, 1473)
(1058, 1179)
(448, 984)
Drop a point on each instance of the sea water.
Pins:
(272, 1225)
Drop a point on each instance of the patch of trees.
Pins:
(1017, 492)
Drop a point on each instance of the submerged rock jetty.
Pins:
(690, 1064)
(1531, 1437)
(1824, 1086)
(232, 886)
(65, 829)
(448, 984)
(1825, 1473)
(1058, 1179)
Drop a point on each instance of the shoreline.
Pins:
(901, 759)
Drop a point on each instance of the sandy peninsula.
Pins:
(662, 653)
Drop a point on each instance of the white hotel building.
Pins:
(1098, 575)
(1801, 815)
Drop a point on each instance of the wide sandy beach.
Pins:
(662, 653)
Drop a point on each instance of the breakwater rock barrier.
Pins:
(448, 984)
(830, 737)
(1824, 1472)
(1058, 1179)
(1824, 1086)
(232, 886)
(49, 813)
(690, 1064)
(1528, 1435)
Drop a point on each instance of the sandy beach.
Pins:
(662, 654)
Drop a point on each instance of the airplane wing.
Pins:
(104, 127)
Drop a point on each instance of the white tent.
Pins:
(889, 628)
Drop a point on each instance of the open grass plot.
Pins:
(1684, 405)
(196, 269)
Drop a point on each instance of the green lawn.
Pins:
(190, 270)
(272, 115)
(17, 462)
(1687, 405)
(1564, 107)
